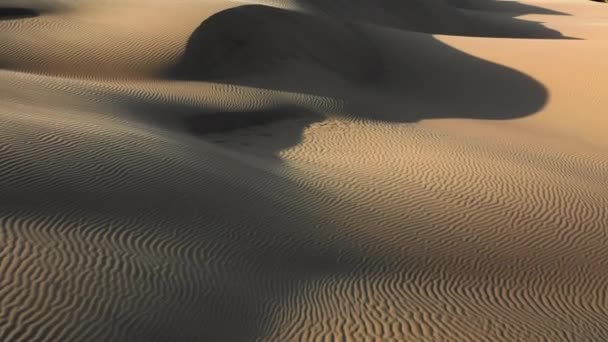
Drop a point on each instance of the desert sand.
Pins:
(303, 170)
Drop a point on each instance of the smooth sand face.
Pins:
(299, 170)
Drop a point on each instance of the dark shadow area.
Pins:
(254, 39)
(10, 13)
(226, 121)
(264, 132)
(498, 25)
(449, 17)
(512, 8)
(381, 73)
(429, 16)
(268, 127)
(427, 79)
(493, 18)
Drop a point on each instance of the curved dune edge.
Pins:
(266, 36)
(286, 193)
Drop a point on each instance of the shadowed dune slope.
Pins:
(431, 16)
(515, 8)
(486, 18)
(427, 78)
(254, 39)
(383, 73)
(491, 18)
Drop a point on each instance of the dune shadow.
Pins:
(266, 128)
(424, 78)
(228, 121)
(492, 18)
(264, 132)
(429, 16)
(512, 8)
(477, 18)
(267, 37)
(438, 81)
(11, 13)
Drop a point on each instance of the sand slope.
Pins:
(213, 170)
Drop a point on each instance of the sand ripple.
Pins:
(296, 200)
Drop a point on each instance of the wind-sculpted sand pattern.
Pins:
(166, 176)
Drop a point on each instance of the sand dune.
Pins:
(267, 37)
(214, 170)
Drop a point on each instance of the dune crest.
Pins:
(267, 37)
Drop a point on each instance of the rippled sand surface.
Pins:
(303, 170)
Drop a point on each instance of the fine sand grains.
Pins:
(210, 170)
